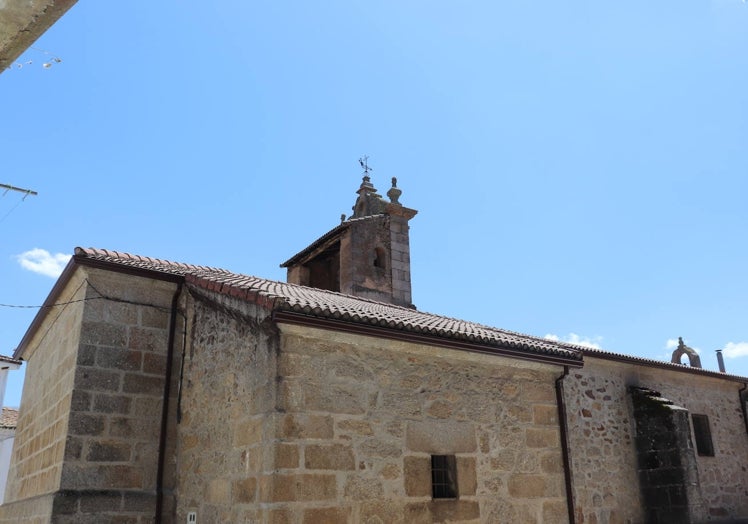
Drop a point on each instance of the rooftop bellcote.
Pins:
(367, 255)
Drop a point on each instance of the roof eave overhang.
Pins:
(118, 267)
(680, 368)
(323, 241)
(420, 338)
(62, 281)
(32, 23)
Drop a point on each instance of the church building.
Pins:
(159, 391)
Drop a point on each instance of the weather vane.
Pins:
(364, 161)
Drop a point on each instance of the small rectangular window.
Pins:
(443, 476)
(703, 435)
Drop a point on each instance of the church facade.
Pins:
(166, 392)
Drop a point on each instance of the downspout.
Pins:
(165, 406)
(565, 442)
(743, 406)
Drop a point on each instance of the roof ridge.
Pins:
(507, 331)
(321, 303)
(676, 366)
(338, 293)
(92, 252)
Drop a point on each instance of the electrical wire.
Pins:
(11, 210)
(87, 299)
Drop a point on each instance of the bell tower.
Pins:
(367, 255)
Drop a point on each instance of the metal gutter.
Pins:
(561, 405)
(119, 267)
(743, 398)
(165, 406)
(418, 338)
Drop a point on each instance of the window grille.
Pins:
(443, 477)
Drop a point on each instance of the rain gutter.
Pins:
(300, 319)
(561, 404)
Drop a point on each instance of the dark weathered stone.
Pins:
(137, 383)
(139, 501)
(154, 363)
(86, 355)
(142, 429)
(154, 318)
(112, 404)
(73, 448)
(96, 379)
(108, 451)
(147, 339)
(65, 503)
(667, 466)
(82, 424)
(94, 501)
(103, 334)
(80, 401)
(118, 358)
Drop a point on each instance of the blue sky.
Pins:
(579, 168)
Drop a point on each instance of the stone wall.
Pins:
(36, 463)
(400, 255)
(360, 417)
(601, 443)
(111, 456)
(93, 397)
(602, 439)
(358, 274)
(723, 478)
(314, 426)
(225, 447)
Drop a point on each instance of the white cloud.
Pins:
(43, 262)
(573, 338)
(736, 349)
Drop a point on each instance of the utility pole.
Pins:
(26, 192)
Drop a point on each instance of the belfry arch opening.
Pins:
(380, 257)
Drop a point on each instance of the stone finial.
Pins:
(369, 202)
(366, 184)
(394, 193)
(693, 356)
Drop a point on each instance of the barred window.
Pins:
(443, 477)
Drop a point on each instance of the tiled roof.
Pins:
(9, 360)
(334, 232)
(312, 302)
(9, 418)
(611, 355)
(140, 262)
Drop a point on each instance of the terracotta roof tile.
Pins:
(327, 237)
(10, 360)
(155, 264)
(611, 355)
(319, 303)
